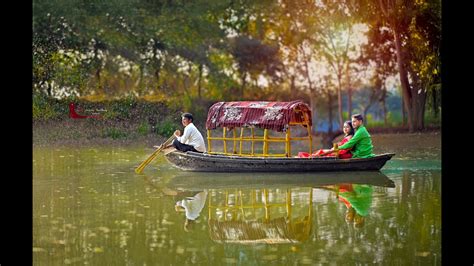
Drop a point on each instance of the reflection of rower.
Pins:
(192, 202)
(192, 207)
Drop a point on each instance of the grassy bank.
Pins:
(123, 121)
(77, 132)
(130, 120)
(87, 131)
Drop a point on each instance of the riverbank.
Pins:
(129, 121)
(77, 132)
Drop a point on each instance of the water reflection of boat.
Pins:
(187, 180)
(267, 208)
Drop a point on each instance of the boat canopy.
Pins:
(267, 115)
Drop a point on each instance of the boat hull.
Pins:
(202, 162)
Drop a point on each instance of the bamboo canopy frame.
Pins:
(269, 116)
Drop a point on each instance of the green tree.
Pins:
(255, 58)
(416, 31)
(379, 51)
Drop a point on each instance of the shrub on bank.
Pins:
(114, 133)
(166, 128)
(45, 108)
(143, 129)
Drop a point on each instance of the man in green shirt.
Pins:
(361, 142)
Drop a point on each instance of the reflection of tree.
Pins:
(420, 195)
(404, 224)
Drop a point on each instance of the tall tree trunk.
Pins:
(384, 108)
(418, 102)
(406, 90)
(199, 81)
(419, 113)
(349, 92)
(382, 100)
(49, 89)
(402, 109)
(372, 99)
(349, 102)
(242, 87)
(434, 100)
(312, 100)
(339, 100)
(329, 111)
(412, 98)
(419, 110)
(366, 108)
(260, 29)
(186, 83)
(99, 83)
(292, 86)
(328, 137)
(305, 60)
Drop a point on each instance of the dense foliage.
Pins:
(184, 53)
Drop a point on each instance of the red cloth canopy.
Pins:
(270, 115)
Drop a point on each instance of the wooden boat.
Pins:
(277, 121)
(204, 162)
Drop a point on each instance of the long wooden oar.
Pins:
(142, 166)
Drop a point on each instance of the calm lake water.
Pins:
(89, 207)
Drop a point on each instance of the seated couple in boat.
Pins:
(355, 144)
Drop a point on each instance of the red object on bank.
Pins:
(74, 115)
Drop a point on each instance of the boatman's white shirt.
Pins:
(192, 136)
